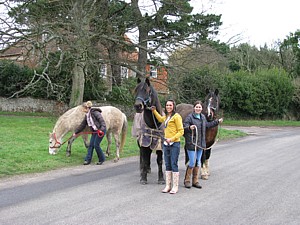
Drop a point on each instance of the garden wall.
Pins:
(40, 105)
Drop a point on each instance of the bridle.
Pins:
(57, 142)
(146, 102)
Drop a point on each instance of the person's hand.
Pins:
(74, 135)
(153, 108)
(168, 140)
(100, 133)
(192, 127)
(221, 120)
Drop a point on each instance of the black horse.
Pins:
(210, 106)
(151, 133)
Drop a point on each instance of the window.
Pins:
(103, 70)
(153, 71)
(124, 72)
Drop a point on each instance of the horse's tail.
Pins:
(124, 132)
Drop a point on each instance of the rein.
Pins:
(85, 132)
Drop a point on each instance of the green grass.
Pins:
(25, 136)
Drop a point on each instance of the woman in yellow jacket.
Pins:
(171, 147)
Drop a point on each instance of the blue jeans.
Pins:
(171, 155)
(194, 157)
(95, 143)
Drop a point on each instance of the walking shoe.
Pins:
(86, 162)
(100, 163)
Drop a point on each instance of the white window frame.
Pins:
(103, 70)
(153, 71)
(124, 72)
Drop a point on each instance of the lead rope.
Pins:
(195, 144)
(87, 132)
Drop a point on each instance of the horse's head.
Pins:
(54, 144)
(212, 104)
(143, 95)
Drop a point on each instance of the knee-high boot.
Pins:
(175, 182)
(195, 177)
(187, 178)
(168, 182)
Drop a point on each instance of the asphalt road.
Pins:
(254, 180)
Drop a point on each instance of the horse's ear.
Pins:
(147, 80)
(139, 80)
(217, 91)
(207, 90)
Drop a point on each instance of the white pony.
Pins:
(116, 125)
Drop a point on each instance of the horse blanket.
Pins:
(146, 136)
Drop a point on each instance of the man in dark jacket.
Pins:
(97, 125)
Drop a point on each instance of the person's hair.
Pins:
(197, 102)
(174, 107)
(87, 104)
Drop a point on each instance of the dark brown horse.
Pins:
(210, 109)
(151, 134)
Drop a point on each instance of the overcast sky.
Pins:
(259, 21)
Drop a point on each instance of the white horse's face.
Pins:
(54, 144)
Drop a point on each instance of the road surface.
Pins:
(254, 180)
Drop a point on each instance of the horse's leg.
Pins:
(69, 147)
(108, 137)
(204, 175)
(117, 141)
(86, 141)
(145, 157)
(206, 162)
(149, 164)
(186, 155)
(159, 161)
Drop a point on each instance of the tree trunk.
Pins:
(77, 85)
(143, 38)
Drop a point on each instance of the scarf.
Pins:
(90, 120)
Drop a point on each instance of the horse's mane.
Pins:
(64, 122)
(156, 103)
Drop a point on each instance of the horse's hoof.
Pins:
(204, 177)
(68, 154)
(143, 182)
(149, 170)
(116, 160)
(161, 181)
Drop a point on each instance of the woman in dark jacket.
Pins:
(195, 126)
(97, 125)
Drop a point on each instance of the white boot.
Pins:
(168, 182)
(175, 182)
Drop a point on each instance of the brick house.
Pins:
(23, 54)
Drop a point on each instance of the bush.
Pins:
(264, 94)
(193, 85)
(13, 77)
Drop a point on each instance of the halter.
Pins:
(56, 142)
(147, 102)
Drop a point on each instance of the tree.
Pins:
(56, 26)
(169, 25)
(290, 53)
(92, 33)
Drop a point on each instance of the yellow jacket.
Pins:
(174, 129)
